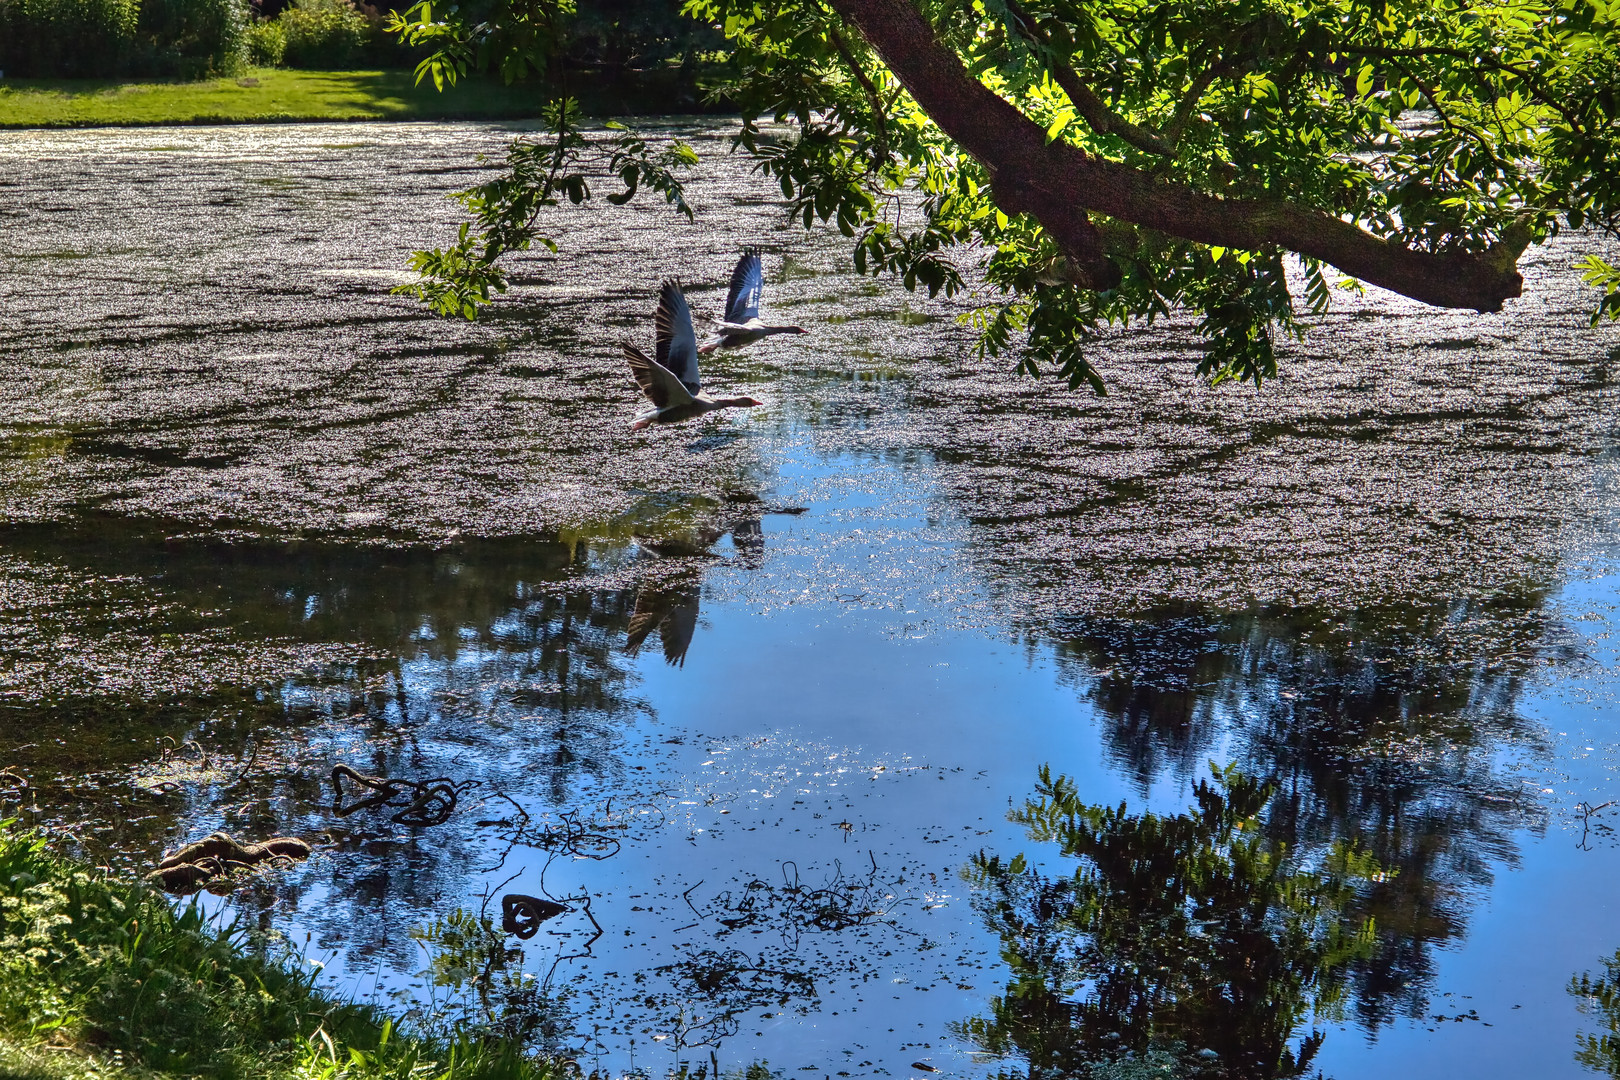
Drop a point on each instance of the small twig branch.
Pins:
(1530, 78)
(1450, 121)
(1189, 101)
(880, 118)
(1097, 114)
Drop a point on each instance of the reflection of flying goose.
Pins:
(678, 544)
(742, 324)
(673, 612)
(749, 539)
(746, 536)
(671, 381)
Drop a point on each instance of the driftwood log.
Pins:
(218, 856)
(429, 802)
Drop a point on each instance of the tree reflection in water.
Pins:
(1384, 727)
(1194, 936)
(1598, 997)
(497, 660)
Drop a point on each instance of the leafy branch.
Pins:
(506, 211)
(1600, 274)
(519, 39)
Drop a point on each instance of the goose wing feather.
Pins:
(677, 343)
(661, 385)
(742, 302)
(641, 624)
(676, 631)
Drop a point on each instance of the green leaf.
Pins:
(1058, 124)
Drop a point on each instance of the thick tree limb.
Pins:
(1060, 184)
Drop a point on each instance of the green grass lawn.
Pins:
(261, 95)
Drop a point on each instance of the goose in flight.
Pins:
(670, 382)
(742, 325)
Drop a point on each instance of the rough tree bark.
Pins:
(1060, 184)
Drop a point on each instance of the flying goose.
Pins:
(741, 325)
(671, 381)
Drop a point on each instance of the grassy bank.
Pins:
(262, 95)
(102, 977)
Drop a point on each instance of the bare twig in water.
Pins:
(517, 833)
(1587, 812)
(584, 902)
(253, 756)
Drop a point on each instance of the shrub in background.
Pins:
(266, 42)
(68, 38)
(77, 39)
(109, 39)
(194, 38)
(324, 34)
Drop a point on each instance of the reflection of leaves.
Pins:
(1599, 998)
(1381, 724)
(1194, 930)
(731, 983)
(462, 947)
(491, 995)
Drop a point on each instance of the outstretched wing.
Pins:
(659, 383)
(677, 629)
(647, 616)
(677, 344)
(673, 613)
(742, 302)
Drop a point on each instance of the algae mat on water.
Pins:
(262, 95)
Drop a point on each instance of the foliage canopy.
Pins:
(1113, 161)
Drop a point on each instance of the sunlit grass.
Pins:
(260, 95)
(101, 977)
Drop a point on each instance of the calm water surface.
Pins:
(752, 696)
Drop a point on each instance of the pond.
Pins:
(765, 700)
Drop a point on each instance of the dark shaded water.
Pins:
(750, 695)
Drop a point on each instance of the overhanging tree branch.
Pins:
(1061, 185)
